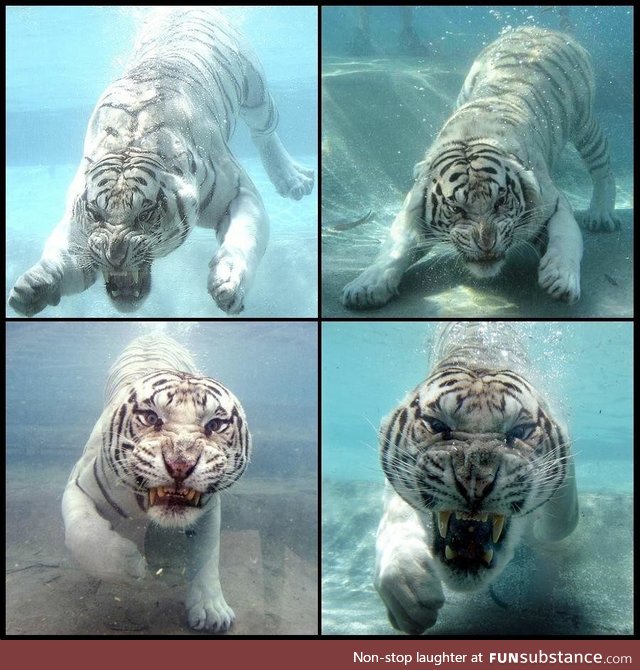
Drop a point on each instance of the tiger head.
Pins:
(479, 199)
(477, 450)
(132, 210)
(177, 439)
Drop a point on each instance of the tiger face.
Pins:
(178, 439)
(131, 211)
(481, 201)
(477, 450)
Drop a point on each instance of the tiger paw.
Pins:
(208, 611)
(228, 281)
(559, 278)
(371, 289)
(598, 220)
(36, 289)
(290, 179)
(116, 560)
(412, 593)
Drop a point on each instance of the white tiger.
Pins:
(167, 443)
(474, 460)
(157, 163)
(485, 185)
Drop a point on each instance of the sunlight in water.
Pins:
(461, 299)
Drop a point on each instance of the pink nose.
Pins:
(179, 468)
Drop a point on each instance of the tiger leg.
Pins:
(57, 273)
(261, 115)
(379, 282)
(405, 577)
(243, 241)
(101, 551)
(206, 606)
(593, 147)
(559, 269)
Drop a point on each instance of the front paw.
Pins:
(36, 289)
(208, 610)
(559, 278)
(112, 558)
(598, 220)
(412, 593)
(228, 281)
(373, 288)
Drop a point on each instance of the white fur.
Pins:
(109, 546)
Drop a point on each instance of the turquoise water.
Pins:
(586, 370)
(55, 381)
(52, 86)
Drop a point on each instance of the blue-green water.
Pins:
(586, 368)
(59, 61)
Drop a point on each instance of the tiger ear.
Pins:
(420, 169)
(529, 181)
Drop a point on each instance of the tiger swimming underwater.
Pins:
(474, 460)
(167, 443)
(157, 162)
(484, 187)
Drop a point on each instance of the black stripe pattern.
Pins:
(475, 436)
(195, 419)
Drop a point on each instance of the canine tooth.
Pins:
(449, 553)
(483, 517)
(190, 494)
(161, 491)
(196, 498)
(488, 556)
(152, 497)
(498, 525)
(443, 523)
(105, 274)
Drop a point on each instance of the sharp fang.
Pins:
(196, 498)
(160, 491)
(449, 553)
(498, 525)
(106, 276)
(488, 556)
(191, 494)
(152, 497)
(443, 523)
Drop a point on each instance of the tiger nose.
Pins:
(179, 467)
(485, 236)
(117, 249)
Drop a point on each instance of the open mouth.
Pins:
(167, 496)
(487, 266)
(127, 288)
(469, 541)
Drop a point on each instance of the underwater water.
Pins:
(585, 370)
(55, 381)
(52, 87)
(381, 109)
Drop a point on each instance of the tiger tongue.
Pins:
(470, 538)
